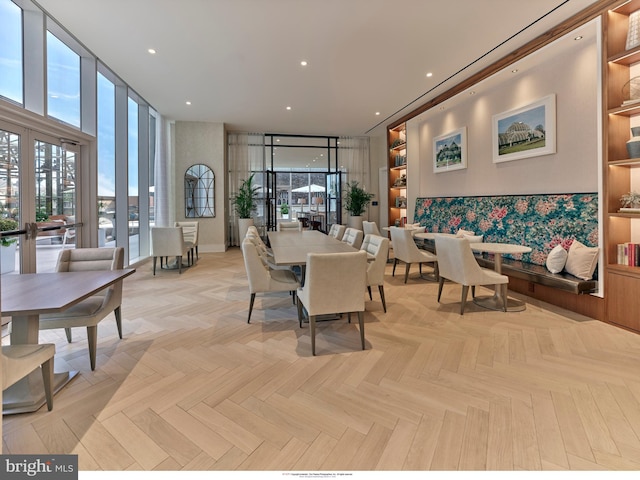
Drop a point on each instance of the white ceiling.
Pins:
(238, 61)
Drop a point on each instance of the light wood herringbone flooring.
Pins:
(192, 386)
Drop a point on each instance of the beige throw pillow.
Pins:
(582, 260)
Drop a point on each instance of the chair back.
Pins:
(92, 259)
(335, 282)
(337, 231)
(370, 228)
(253, 229)
(167, 242)
(378, 247)
(189, 231)
(288, 226)
(404, 246)
(257, 271)
(353, 237)
(456, 261)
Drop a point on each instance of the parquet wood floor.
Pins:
(192, 386)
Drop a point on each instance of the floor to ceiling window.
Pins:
(63, 81)
(106, 162)
(10, 51)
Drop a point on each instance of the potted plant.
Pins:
(630, 200)
(245, 203)
(357, 200)
(8, 246)
(284, 209)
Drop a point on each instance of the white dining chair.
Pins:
(353, 237)
(289, 226)
(378, 247)
(262, 278)
(20, 360)
(370, 228)
(337, 231)
(457, 264)
(405, 250)
(190, 232)
(169, 242)
(334, 283)
(90, 311)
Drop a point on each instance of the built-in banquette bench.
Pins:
(537, 221)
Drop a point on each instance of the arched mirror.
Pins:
(199, 192)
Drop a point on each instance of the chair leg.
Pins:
(473, 291)
(154, 264)
(179, 259)
(348, 317)
(503, 287)
(293, 296)
(465, 292)
(369, 289)
(384, 303)
(440, 285)
(47, 378)
(253, 297)
(361, 323)
(300, 312)
(118, 315)
(67, 332)
(406, 272)
(395, 262)
(92, 338)
(312, 326)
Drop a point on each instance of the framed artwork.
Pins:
(529, 131)
(450, 151)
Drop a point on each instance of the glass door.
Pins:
(10, 154)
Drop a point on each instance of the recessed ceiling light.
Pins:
(188, 102)
(377, 113)
(429, 75)
(515, 70)
(288, 108)
(152, 51)
(579, 37)
(304, 63)
(472, 92)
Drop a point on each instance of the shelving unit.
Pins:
(622, 283)
(397, 143)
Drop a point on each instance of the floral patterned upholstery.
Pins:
(538, 221)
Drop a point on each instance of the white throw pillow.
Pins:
(582, 260)
(463, 233)
(557, 259)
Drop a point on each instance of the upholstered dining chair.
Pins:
(370, 228)
(337, 231)
(169, 242)
(457, 264)
(334, 283)
(405, 250)
(377, 246)
(20, 360)
(90, 311)
(262, 278)
(353, 237)
(190, 232)
(289, 226)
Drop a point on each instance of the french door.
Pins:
(37, 199)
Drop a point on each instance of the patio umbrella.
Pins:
(313, 188)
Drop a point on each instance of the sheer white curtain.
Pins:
(246, 156)
(163, 186)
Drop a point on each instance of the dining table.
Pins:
(24, 298)
(291, 248)
(495, 301)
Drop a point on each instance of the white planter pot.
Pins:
(243, 226)
(355, 222)
(8, 258)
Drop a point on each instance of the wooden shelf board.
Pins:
(631, 271)
(631, 162)
(401, 167)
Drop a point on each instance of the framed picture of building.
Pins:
(450, 151)
(528, 131)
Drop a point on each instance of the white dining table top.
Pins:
(500, 248)
(431, 235)
(291, 248)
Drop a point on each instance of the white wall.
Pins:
(572, 76)
(205, 143)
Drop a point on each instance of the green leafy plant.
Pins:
(356, 199)
(245, 202)
(41, 215)
(8, 224)
(284, 208)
